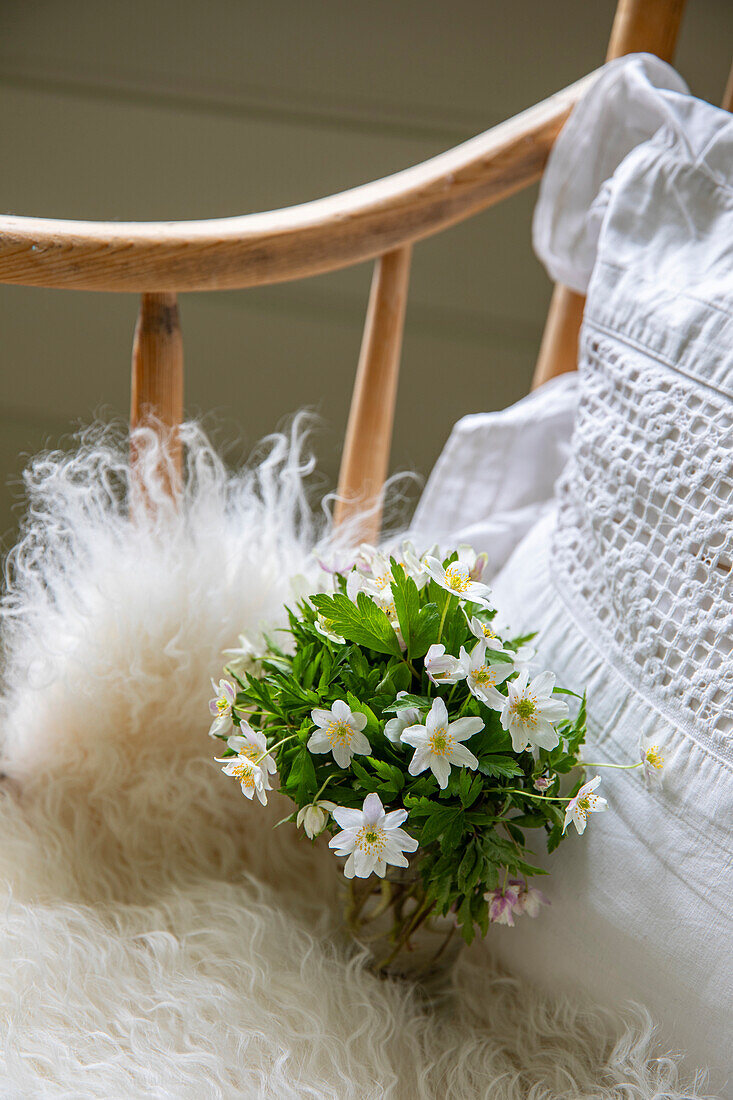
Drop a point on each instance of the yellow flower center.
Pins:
(483, 677)
(222, 704)
(339, 733)
(245, 773)
(370, 839)
(653, 757)
(587, 803)
(456, 581)
(441, 742)
(526, 709)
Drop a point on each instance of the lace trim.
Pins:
(644, 540)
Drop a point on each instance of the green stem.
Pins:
(267, 752)
(538, 797)
(328, 780)
(421, 914)
(411, 667)
(587, 764)
(442, 617)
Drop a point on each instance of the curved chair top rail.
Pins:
(297, 241)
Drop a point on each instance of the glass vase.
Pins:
(405, 938)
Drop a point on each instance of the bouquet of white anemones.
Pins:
(400, 721)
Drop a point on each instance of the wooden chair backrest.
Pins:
(380, 220)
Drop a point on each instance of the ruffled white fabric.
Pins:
(630, 581)
(496, 476)
(631, 584)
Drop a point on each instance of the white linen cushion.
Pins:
(496, 476)
(629, 578)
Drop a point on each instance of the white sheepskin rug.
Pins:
(159, 939)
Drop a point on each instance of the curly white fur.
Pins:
(158, 937)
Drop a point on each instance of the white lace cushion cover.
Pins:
(631, 583)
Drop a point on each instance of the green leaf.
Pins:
(495, 766)
(440, 819)
(363, 623)
(307, 785)
(421, 702)
(372, 727)
(554, 838)
(468, 868)
(469, 788)
(401, 676)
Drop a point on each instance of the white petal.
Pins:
(464, 728)
(349, 866)
(420, 761)
(321, 717)
(463, 757)
(318, 742)
(494, 699)
(394, 818)
(341, 711)
(395, 857)
(393, 729)
(440, 768)
(500, 671)
(519, 737)
(342, 754)
(402, 840)
(544, 683)
(438, 716)
(364, 863)
(373, 809)
(360, 744)
(220, 725)
(544, 735)
(347, 818)
(417, 736)
(554, 709)
(358, 720)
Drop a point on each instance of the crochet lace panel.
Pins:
(644, 541)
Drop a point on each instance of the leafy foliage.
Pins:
(471, 835)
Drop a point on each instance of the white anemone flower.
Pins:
(442, 668)
(340, 732)
(408, 716)
(251, 776)
(221, 708)
(251, 743)
(523, 657)
(528, 710)
(529, 898)
(456, 579)
(481, 676)
(242, 658)
(485, 633)
(476, 562)
(415, 563)
(371, 838)
(314, 817)
(438, 745)
(584, 803)
(325, 627)
(652, 761)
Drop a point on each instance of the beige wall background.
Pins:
(181, 109)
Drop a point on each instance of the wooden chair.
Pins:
(381, 220)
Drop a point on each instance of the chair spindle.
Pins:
(365, 458)
(157, 377)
